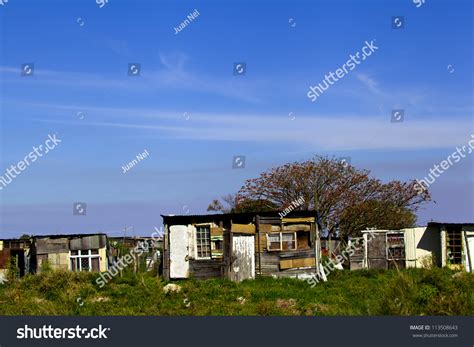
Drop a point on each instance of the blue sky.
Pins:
(192, 114)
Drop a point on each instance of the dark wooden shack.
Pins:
(18, 252)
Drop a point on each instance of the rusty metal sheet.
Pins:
(4, 256)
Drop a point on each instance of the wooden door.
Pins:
(179, 251)
(243, 257)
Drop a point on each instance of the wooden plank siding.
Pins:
(376, 252)
(270, 263)
(297, 263)
(203, 269)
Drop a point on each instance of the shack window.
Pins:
(203, 242)
(395, 246)
(273, 242)
(85, 260)
(281, 241)
(454, 245)
(288, 241)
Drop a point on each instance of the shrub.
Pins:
(13, 273)
(428, 261)
(45, 266)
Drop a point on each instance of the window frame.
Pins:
(208, 244)
(280, 236)
(454, 246)
(394, 244)
(78, 259)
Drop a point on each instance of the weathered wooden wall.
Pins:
(47, 245)
(202, 269)
(88, 242)
(357, 258)
(377, 252)
(243, 257)
(19, 249)
(4, 257)
(270, 263)
(254, 228)
(278, 263)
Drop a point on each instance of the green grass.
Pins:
(408, 292)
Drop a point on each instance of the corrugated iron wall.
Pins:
(88, 242)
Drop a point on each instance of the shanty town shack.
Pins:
(441, 244)
(241, 246)
(457, 244)
(149, 247)
(79, 252)
(15, 252)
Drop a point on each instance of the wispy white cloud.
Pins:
(400, 97)
(370, 83)
(171, 74)
(321, 131)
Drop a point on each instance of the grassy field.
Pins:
(408, 292)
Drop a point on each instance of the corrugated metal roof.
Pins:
(449, 224)
(305, 213)
(59, 236)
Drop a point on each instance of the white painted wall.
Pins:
(179, 251)
(420, 243)
(444, 256)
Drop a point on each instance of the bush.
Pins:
(45, 266)
(13, 273)
(428, 292)
(428, 262)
